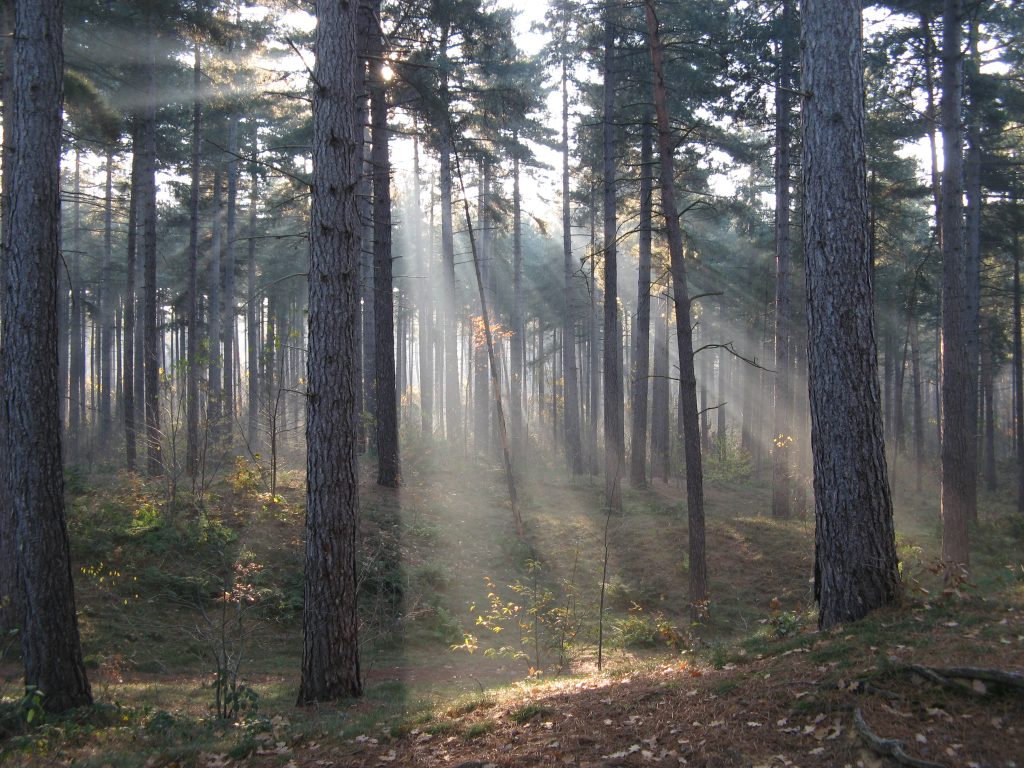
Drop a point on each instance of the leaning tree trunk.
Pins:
(641, 356)
(855, 544)
(698, 570)
(388, 468)
(34, 479)
(330, 654)
(614, 437)
(958, 502)
(151, 350)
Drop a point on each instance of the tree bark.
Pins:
(855, 545)
(660, 453)
(388, 468)
(106, 307)
(150, 339)
(330, 655)
(192, 355)
(252, 311)
(642, 336)
(698, 573)
(215, 311)
(229, 265)
(614, 437)
(34, 479)
(958, 502)
(782, 437)
(573, 443)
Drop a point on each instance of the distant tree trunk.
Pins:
(660, 453)
(1018, 360)
(614, 438)
(972, 263)
(192, 387)
(34, 479)
(573, 443)
(106, 306)
(481, 402)
(517, 350)
(423, 294)
(855, 544)
(76, 355)
(330, 655)
(451, 348)
(698, 573)
(782, 437)
(958, 482)
(988, 400)
(151, 348)
(388, 471)
(252, 306)
(215, 311)
(229, 266)
(641, 356)
(595, 376)
(130, 372)
(916, 384)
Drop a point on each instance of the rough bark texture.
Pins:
(855, 545)
(698, 570)
(972, 271)
(330, 653)
(34, 477)
(614, 437)
(957, 484)
(388, 472)
(782, 431)
(642, 337)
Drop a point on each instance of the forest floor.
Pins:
(480, 648)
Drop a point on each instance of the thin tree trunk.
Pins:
(423, 292)
(388, 469)
(106, 307)
(130, 371)
(698, 575)
(192, 387)
(216, 311)
(660, 454)
(252, 307)
(614, 438)
(958, 502)
(151, 350)
(76, 355)
(641, 355)
(517, 350)
(228, 296)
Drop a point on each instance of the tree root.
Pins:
(949, 677)
(889, 747)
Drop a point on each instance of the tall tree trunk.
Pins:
(972, 266)
(916, 383)
(150, 340)
(958, 485)
(517, 349)
(106, 307)
(451, 347)
(214, 414)
(782, 437)
(855, 543)
(192, 363)
(130, 371)
(641, 356)
(988, 401)
(229, 265)
(76, 355)
(1018, 371)
(388, 471)
(252, 306)
(481, 402)
(423, 303)
(330, 653)
(34, 479)
(698, 572)
(573, 443)
(614, 437)
(660, 453)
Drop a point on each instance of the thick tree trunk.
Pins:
(958, 484)
(34, 479)
(192, 355)
(855, 545)
(388, 468)
(698, 573)
(972, 272)
(642, 336)
(782, 437)
(330, 654)
(150, 338)
(614, 437)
